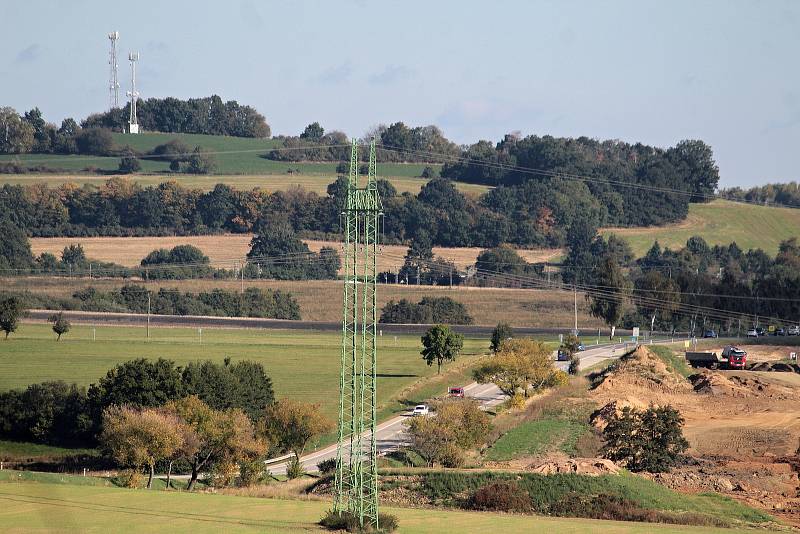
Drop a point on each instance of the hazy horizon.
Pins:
(647, 71)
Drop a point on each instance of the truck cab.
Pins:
(737, 358)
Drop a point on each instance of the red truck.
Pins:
(731, 358)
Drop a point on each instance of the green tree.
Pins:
(609, 302)
(94, 141)
(201, 162)
(570, 345)
(60, 324)
(244, 385)
(500, 333)
(139, 383)
(645, 440)
(17, 135)
(441, 344)
(15, 249)
(313, 132)
(11, 311)
(657, 296)
(129, 163)
(290, 424)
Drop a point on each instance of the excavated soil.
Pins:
(742, 426)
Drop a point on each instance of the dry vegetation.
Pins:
(320, 300)
(129, 251)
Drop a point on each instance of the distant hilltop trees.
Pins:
(209, 115)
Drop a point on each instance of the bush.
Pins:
(327, 466)
(294, 469)
(94, 141)
(429, 310)
(129, 164)
(348, 522)
(501, 497)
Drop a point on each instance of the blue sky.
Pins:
(650, 71)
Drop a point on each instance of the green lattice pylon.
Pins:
(356, 482)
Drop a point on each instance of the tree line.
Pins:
(218, 419)
(134, 298)
(537, 213)
(207, 115)
(696, 287)
(420, 144)
(784, 194)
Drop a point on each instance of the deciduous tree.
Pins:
(290, 424)
(60, 324)
(441, 344)
(11, 311)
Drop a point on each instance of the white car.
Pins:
(752, 333)
(420, 409)
(793, 330)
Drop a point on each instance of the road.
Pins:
(391, 435)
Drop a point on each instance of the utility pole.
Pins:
(241, 270)
(148, 315)
(451, 277)
(575, 295)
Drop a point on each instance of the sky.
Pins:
(650, 71)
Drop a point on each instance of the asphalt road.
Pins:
(391, 434)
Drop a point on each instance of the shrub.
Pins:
(294, 469)
(501, 497)
(327, 466)
(429, 310)
(348, 522)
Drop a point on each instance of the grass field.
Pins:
(536, 437)
(129, 251)
(720, 222)
(302, 364)
(63, 507)
(320, 300)
(239, 163)
(316, 180)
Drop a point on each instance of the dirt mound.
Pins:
(775, 366)
(580, 466)
(711, 383)
(641, 369)
(600, 418)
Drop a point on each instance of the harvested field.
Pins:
(320, 300)
(129, 251)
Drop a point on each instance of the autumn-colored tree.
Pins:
(222, 436)
(519, 366)
(290, 424)
(139, 438)
(458, 425)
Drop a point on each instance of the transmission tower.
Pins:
(356, 482)
(113, 82)
(133, 122)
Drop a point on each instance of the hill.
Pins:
(720, 222)
(239, 164)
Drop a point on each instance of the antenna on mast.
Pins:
(113, 82)
(133, 122)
